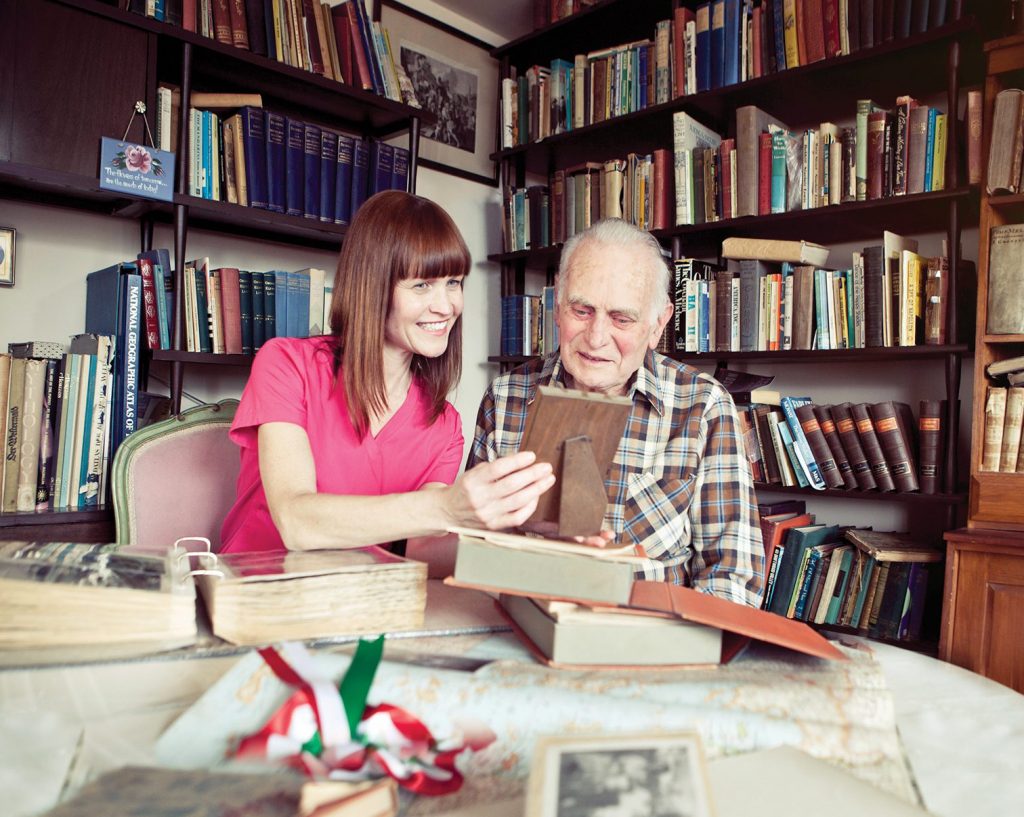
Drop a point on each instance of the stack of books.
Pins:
(578, 606)
(879, 583)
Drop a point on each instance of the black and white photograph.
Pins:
(619, 776)
(6, 257)
(453, 77)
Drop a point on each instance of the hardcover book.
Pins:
(567, 634)
(310, 594)
(1006, 280)
(58, 600)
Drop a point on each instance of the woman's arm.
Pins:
(494, 495)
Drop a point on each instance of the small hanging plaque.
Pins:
(135, 169)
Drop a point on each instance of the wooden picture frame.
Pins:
(7, 235)
(454, 77)
(578, 433)
(656, 773)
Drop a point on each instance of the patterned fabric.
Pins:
(680, 484)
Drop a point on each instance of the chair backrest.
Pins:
(176, 478)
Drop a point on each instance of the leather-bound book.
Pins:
(897, 442)
(820, 449)
(846, 428)
(872, 447)
(828, 429)
(931, 439)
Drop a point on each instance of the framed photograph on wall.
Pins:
(656, 773)
(455, 78)
(6, 256)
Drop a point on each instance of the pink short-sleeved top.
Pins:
(292, 382)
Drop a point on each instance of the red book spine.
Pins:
(756, 46)
(362, 66)
(764, 174)
(231, 310)
(830, 10)
(663, 196)
(343, 37)
(149, 303)
(222, 21)
(239, 25)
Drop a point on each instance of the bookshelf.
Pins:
(933, 63)
(71, 72)
(985, 560)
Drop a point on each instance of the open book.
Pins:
(64, 601)
(256, 598)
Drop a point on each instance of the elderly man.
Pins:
(680, 485)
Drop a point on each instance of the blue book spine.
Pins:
(328, 174)
(360, 169)
(281, 303)
(254, 138)
(268, 22)
(813, 557)
(780, 35)
(717, 43)
(400, 172)
(703, 323)
(778, 202)
(275, 161)
(789, 407)
(382, 164)
(89, 375)
(298, 304)
(641, 79)
(130, 368)
(929, 159)
(203, 309)
(259, 316)
(245, 310)
(731, 62)
(293, 162)
(270, 304)
(207, 187)
(311, 172)
(343, 180)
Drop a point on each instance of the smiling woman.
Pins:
(355, 427)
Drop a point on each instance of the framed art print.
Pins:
(632, 774)
(6, 256)
(454, 77)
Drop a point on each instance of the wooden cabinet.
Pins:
(71, 71)
(983, 620)
(995, 498)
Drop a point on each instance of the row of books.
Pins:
(846, 446)
(338, 41)
(528, 324)
(637, 189)
(717, 44)
(233, 311)
(768, 168)
(258, 158)
(1001, 441)
(889, 296)
(882, 584)
(546, 12)
(60, 423)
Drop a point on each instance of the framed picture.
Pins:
(621, 775)
(455, 78)
(6, 256)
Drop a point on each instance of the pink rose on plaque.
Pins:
(137, 158)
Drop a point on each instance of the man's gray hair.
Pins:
(622, 233)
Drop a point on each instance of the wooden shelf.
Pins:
(880, 73)
(232, 67)
(873, 355)
(205, 358)
(955, 499)
(825, 225)
(926, 647)
(93, 525)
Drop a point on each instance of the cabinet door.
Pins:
(63, 97)
(988, 612)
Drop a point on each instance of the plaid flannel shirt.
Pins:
(680, 485)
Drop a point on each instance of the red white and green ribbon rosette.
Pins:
(329, 731)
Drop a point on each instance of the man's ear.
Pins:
(659, 326)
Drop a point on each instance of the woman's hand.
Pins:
(500, 494)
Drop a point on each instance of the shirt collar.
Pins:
(644, 383)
